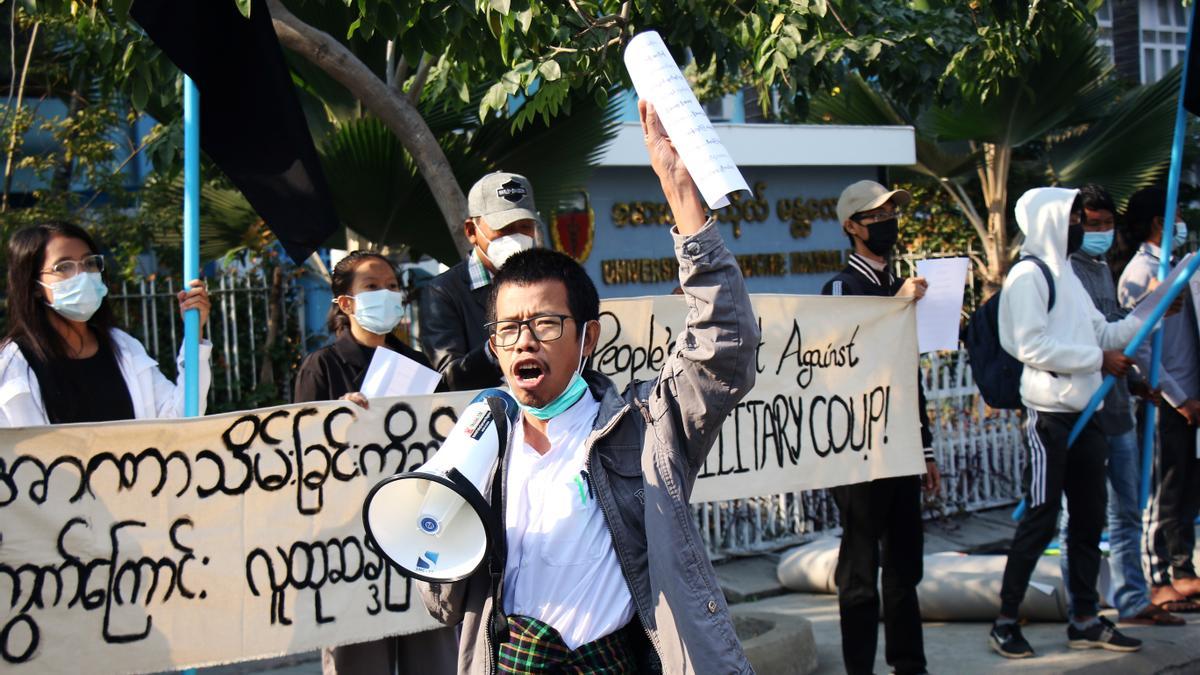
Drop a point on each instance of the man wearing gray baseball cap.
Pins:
(502, 220)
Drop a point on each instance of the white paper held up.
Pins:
(658, 80)
(938, 313)
(394, 374)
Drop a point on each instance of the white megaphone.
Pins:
(418, 519)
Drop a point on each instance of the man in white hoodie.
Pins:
(1064, 350)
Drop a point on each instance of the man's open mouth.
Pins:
(528, 375)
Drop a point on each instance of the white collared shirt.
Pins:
(562, 568)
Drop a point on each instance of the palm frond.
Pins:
(1126, 149)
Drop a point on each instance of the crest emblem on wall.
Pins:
(573, 228)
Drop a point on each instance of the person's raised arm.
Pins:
(676, 182)
(712, 366)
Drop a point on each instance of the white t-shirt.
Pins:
(562, 568)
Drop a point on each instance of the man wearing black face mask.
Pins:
(884, 513)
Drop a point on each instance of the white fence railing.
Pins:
(244, 316)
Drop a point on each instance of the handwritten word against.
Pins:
(126, 541)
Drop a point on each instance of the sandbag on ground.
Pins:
(955, 587)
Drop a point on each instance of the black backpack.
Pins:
(997, 373)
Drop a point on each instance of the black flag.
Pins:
(1191, 88)
(251, 124)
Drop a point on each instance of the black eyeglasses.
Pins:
(69, 268)
(543, 328)
(872, 218)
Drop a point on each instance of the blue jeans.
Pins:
(1131, 594)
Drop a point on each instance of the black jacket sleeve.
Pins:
(312, 382)
(444, 340)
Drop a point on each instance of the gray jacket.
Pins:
(1179, 376)
(1116, 417)
(647, 446)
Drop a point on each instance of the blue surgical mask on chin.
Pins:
(575, 390)
(1181, 235)
(1096, 244)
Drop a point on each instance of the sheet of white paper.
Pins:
(1147, 304)
(658, 80)
(938, 313)
(394, 374)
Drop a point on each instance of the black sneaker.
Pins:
(1101, 635)
(1008, 642)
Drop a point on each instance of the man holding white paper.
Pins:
(884, 513)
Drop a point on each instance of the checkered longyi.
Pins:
(536, 647)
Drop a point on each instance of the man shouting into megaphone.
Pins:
(605, 570)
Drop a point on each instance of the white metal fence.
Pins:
(256, 328)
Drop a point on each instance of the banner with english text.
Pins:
(150, 546)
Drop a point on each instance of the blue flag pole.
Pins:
(191, 244)
(191, 251)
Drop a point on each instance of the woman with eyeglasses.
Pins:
(63, 360)
(366, 309)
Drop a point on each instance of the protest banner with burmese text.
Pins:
(147, 546)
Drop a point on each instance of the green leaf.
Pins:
(819, 7)
(243, 7)
(550, 70)
(501, 6)
(495, 99)
(121, 8)
(777, 22)
(139, 94)
(787, 47)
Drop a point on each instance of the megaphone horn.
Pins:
(417, 519)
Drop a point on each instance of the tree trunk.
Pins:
(997, 159)
(392, 107)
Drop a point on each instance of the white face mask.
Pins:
(501, 249)
(1181, 235)
(79, 297)
(379, 311)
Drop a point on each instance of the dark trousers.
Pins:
(1050, 471)
(881, 525)
(1170, 535)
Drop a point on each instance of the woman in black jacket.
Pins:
(366, 308)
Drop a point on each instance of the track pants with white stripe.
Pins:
(1169, 533)
(1050, 471)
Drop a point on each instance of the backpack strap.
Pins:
(1046, 273)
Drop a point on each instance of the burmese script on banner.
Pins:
(151, 546)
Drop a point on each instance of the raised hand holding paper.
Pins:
(658, 80)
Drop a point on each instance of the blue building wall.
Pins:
(778, 255)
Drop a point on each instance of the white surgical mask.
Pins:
(501, 249)
(379, 311)
(1181, 235)
(79, 297)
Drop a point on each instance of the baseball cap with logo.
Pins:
(502, 199)
(866, 195)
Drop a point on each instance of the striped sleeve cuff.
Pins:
(929, 455)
